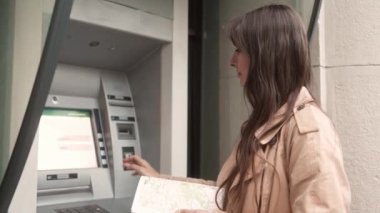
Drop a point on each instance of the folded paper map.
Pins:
(160, 195)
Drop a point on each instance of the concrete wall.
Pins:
(351, 60)
(26, 56)
(7, 15)
(179, 92)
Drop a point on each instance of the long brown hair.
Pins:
(275, 39)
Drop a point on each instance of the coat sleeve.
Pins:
(317, 180)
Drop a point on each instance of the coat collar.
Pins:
(265, 134)
(267, 131)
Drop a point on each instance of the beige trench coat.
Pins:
(302, 172)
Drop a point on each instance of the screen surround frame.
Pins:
(94, 180)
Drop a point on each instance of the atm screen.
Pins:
(66, 140)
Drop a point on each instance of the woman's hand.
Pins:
(140, 166)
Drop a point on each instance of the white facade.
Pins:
(26, 56)
(350, 57)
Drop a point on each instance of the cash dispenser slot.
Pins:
(126, 131)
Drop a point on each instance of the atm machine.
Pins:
(82, 142)
(104, 105)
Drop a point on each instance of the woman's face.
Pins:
(240, 60)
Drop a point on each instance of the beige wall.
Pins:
(7, 13)
(179, 79)
(352, 64)
(27, 51)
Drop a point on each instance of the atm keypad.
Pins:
(83, 209)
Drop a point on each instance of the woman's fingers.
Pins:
(134, 159)
(134, 167)
(140, 161)
(140, 166)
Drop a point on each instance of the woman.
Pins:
(289, 158)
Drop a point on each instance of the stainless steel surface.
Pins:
(121, 205)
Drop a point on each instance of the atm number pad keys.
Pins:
(83, 209)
